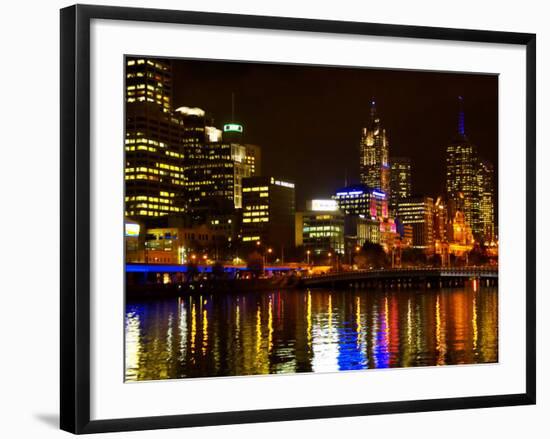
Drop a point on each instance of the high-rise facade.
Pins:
(154, 181)
(321, 230)
(360, 199)
(213, 166)
(418, 212)
(441, 220)
(462, 176)
(400, 181)
(268, 212)
(374, 167)
(253, 159)
(486, 188)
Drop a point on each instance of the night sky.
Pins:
(308, 119)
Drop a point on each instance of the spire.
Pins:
(461, 130)
(372, 109)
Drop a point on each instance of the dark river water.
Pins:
(318, 330)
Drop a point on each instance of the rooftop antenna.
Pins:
(232, 106)
(373, 107)
(461, 128)
(346, 177)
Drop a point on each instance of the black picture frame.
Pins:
(75, 217)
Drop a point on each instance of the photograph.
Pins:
(297, 218)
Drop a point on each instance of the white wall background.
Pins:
(29, 206)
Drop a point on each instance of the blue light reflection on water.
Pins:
(308, 331)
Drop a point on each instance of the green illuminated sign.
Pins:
(232, 128)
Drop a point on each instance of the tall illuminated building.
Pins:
(462, 175)
(365, 210)
(400, 181)
(253, 159)
(418, 212)
(213, 166)
(154, 182)
(374, 170)
(441, 220)
(233, 132)
(321, 227)
(268, 213)
(486, 187)
(360, 199)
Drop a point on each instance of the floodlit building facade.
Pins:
(486, 187)
(253, 159)
(361, 199)
(418, 212)
(374, 166)
(214, 167)
(268, 213)
(321, 230)
(154, 182)
(400, 181)
(462, 176)
(178, 245)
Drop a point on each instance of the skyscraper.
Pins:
(374, 168)
(254, 159)
(486, 188)
(268, 212)
(213, 166)
(400, 181)
(462, 175)
(153, 142)
(360, 199)
(441, 220)
(418, 212)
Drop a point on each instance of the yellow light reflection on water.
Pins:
(237, 322)
(182, 326)
(258, 330)
(133, 346)
(460, 324)
(440, 333)
(409, 323)
(169, 336)
(408, 340)
(204, 331)
(474, 324)
(308, 317)
(317, 330)
(193, 329)
(270, 326)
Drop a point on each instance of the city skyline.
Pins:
(183, 167)
(418, 110)
(217, 224)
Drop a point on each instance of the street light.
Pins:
(308, 253)
(357, 250)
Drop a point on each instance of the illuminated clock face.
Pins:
(232, 128)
